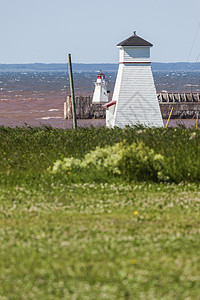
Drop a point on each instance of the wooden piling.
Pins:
(65, 110)
(68, 108)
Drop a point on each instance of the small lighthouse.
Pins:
(101, 94)
(134, 98)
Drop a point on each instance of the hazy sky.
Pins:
(47, 30)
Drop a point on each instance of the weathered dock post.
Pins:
(68, 108)
(72, 92)
(65, 110)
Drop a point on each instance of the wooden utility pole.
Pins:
(72, 92)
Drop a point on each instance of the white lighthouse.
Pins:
(101, 94)
(134, 98)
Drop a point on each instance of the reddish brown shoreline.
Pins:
(47, 109)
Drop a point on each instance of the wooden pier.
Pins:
(84, 108)
(178, 97)
(185, 106)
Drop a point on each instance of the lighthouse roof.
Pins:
(135, 40)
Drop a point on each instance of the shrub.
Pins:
(130, 162)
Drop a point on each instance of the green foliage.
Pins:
(27, 153)
(132, 162)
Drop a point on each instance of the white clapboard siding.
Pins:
(136, 97)
(118, 83)
(134, 92)
(130, 54)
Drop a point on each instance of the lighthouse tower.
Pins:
(134, 98)
(101, 94)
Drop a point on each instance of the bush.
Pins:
(129, 162)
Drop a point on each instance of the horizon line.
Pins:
(92, 63)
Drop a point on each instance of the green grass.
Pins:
(61, 239)
(27, 153)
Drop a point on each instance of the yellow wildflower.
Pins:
(135, 212)
(132, 261)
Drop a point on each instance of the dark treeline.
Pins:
(77, 67)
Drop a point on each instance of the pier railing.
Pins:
(178, 97)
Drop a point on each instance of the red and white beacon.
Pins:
(101, 95)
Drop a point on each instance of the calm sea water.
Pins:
(37, 98)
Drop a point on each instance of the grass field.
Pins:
(63, 236)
